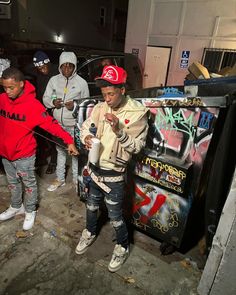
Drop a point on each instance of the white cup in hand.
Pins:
(94, 151)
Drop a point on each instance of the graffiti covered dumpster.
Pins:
(168, 175)
(223, 164)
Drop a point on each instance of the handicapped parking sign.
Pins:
(184, 59)
(185, 54)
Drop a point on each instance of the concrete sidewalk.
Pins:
(43, 261)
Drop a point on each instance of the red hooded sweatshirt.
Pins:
(18, 118)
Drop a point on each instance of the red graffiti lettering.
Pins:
(154, 173)
(159, 201)
(146, 199)
(173, 179)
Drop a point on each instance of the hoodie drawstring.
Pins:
(63, 99)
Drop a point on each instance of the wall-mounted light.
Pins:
(58, 38)
(5, 2)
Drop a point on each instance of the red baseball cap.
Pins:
(113, 74)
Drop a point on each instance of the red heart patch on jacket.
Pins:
(127, 121)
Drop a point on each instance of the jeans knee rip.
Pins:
(110, 202)
(22, 174)
(11, 187)
(92, 207)
(116, 223)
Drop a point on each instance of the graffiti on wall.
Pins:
(81, 113)
(168, 176)
(182, 133)
(168, 172)
(159, 212)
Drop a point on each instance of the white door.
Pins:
(156, 66)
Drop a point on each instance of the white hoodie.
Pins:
(4, 64)
(73, 88)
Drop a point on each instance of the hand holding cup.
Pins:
(94, 150)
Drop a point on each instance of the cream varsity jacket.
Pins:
(133, 123)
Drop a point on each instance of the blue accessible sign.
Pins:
(184, 59)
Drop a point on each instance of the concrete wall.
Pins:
(219, 273)
(137, 30)
(183, 25)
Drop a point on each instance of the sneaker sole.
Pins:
(82, 251)
(114, 269)
(27, 228)
(52, 190)
(85, 249)
(20, 213)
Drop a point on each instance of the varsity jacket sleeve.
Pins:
(47, 100)
(133, 139)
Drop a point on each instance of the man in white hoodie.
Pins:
(59, 95)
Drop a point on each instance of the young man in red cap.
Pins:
(121, 124)
(20, 113)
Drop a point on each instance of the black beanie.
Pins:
(40, 58)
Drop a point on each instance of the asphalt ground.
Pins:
(43, 260)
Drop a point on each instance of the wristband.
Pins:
(119, 134)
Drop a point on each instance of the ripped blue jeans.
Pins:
(22, 172)
(113, 201)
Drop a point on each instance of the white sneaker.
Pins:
(55, 185)
(11, 212)
(29, 220)
(85, 241)
(119, 256)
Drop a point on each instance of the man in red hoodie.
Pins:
(20, 113)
